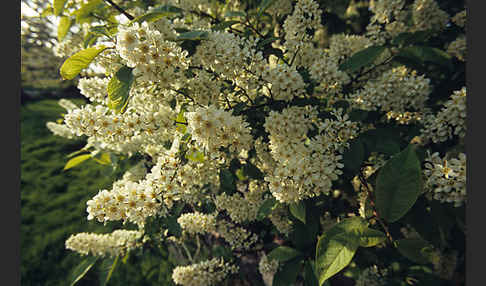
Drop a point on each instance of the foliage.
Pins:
(304, 141)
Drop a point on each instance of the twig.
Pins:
(130, 17)
(372, 203)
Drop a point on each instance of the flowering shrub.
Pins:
(274, 151)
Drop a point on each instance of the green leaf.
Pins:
(223, 25)
(195, 156)
(298, 210)
(370, 237)
(76, 161)
(227, 181)
(157, 13)
(63, 27)
(235, 14)
(334, 253)
(362, 58)
(337, 246)
(252, 171)
(264, 6)
(266, 208)
(421, 54)
(193, 35)
(288, 273)
(354, 156)
(83, 14)
(58, 6)
(103, 158)
(266, 41)
(407, 38)
(310, 274)
(79, 61)
(283, 253)
(416, 249)
(398, 184)
(82, 269)
(107, 268)
(119, 89)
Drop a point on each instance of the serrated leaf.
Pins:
(79, 61)
(82, 269)
(398, 185)
(336, 247)
(76, 161)
(370, 237)
(266, 208)
(63, 27)
(193, 36)
(298, 210)
(58, 6)
(118, 89)
(416, 249)
(283, 253)
(288, 273)
(334, 253)
(362, 58)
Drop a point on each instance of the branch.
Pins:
(130, 17)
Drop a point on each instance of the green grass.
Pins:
(53, 205)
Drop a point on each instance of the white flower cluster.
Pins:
(325, 70)
(342, 46)
(130, 128)
(94, 88)
(205, 273)
(199, 223)
(112, 244)
(372, 276)
(242, 208)
(306, 166)
(128, 201)
(384, 11)
(213, 128)
(267, 268)
(398, 90)
(426, 15)
(285, 82)
(460, 19)
(446, 178)
(458, 48)
(196, 222)
(153, 57)
(280, 219)
(60, 130)
(305, 18)
(237, 237)
(449, 121)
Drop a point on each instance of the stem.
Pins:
(375, 213)
(130, 17)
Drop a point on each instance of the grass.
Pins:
(53, 206)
